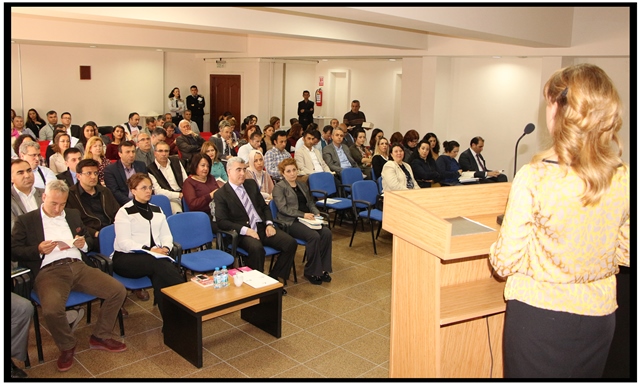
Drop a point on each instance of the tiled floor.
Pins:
(336, 330)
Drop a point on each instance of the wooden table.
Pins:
(187, 305)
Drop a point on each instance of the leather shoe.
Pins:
(315, 280)
(142, 294)
(65, 361)
(17, 373)
(325, 277)
(109, 345)
(284, 292)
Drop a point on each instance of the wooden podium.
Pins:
(447, 312)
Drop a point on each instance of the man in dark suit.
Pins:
(224, 143)
(117, 174)
(51, 241)
(71, 158)
(24, 196)
(240, 207)
(472, 160)
(73, 130)
(305, 111)
(337, 154)
(196, 104)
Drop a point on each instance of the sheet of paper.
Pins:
(332, 201)
(257, 279)
(158, 255)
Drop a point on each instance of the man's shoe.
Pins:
(109, 345)
(284, 292)
(17, 373)
(75, 322)
(325, 277)
(142, 294)
(315, 280)
(65, 361)
(124, 312)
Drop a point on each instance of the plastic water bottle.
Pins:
(217, 278)
(225, 276)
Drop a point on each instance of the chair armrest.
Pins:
(176, 252)
(282, 225)
(100, 261)
(22, 285)
(355, 202)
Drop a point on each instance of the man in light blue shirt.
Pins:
(336, 154)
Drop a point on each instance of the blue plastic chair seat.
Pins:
(133, 283)
(376, 214)
(75, 298)
(203, 260)
(267, 250)
(344, 203)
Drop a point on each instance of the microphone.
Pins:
(527, 130)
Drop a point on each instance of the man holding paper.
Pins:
(143, 240)
(472, 160)
(37, 243)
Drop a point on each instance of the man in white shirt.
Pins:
(254, 143)
(49, 241)
(132, 127)
(167, 176)
(30, 151)
(194, 125)
(73, 131)
(308, 158)
(317, 144)
(24, 196)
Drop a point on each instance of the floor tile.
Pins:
(372, 347)
(340, 364)
(264, 362)
(337, 331)
(303, 346)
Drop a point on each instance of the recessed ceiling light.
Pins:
(12, 41)
(325, 59)
(92, 46)
(159, 50)
(392, 59)
(497, 57)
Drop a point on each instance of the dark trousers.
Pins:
(162, 272)
(53, 285)
(318, 248)
(198, 120)
(280, 241)
(501, 178)
(539, 343)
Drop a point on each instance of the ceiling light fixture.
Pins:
(92, 46)
(325, 59)
(159, 50)
(497, 57)
(392, 59)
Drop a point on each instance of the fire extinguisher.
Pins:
(319, 97)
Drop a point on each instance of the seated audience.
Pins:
(24, 196)
(266, 142)
(275, 122)
(424, 166)
(360, 152)
(308, 158)
(256, 172)
(409, 143)
(30, 151)
(117, 174)
(292, 138)
(435, 144)
(57, 271)
(217, 167)
(224, 142)
(20, 129)
(275, 155)
(21, 315)
(61, 143)
(472, 160)
(113, 149)
(139, 226)
(167, 176)
(239, 206)
(376, 134)
(396, 137)
(170, 137)
(348, 133)
(396, 174)
(448, 167)
(15, 146)
(380, 156)
(327, 132)
(131, 127)
(47, 132)
(294, 200)
(337, 154)
(95, 151)
(50, 151)
(188, 142)
(316, 138)
(150, 125)
(35, 122)
(158, 135)
(87, 132)
(71, 158)
(253, 144)
(200, 187)
(144, 152)
(247, 128)
(194, 126)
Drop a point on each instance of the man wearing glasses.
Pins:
(30, 152)
(167, 175)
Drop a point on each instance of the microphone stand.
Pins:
(515, 157)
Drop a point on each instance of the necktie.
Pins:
(480, 162)
(226, 147)
(248, 206)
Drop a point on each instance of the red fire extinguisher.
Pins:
(319, 97)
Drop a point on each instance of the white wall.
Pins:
(183, 70)
(122, 81)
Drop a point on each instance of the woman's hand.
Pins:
(162, 251)
(309, 216)
(212, 193)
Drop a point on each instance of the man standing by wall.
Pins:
(196, 104)
(305, 111)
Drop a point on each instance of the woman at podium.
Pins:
(564, 234)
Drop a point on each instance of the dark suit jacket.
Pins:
(17, 208)
(28, 232)
(66, 176)
(217, 141)
(467, 161)
(231, 214)
(116, 180)
(330, 156)
(76, 131)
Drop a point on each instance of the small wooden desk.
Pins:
(187, 305)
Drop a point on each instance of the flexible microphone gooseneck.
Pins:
(527, 130)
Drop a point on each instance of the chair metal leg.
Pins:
(379, 228)
(121, 323)
(373, 239)
(355, 225)
(36, 326)
(27, 363)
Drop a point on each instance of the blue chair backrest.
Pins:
(106, 237)
(191, 229)
(373, 175)
(185, 207)
(323, 181)
(379, 181)
(274, 209)
(162, 202)
(366, 190)
(351, 175)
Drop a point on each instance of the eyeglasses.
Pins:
(34, 155)
(95, 173)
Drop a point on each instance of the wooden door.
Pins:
(225, 96)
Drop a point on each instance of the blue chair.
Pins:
(323, 186)
(185, 207)
(379, 181)
(348, 177)
(163, 202)
(365, 197)
(274, 213)
(192, 230)
(106, 238)
(237, 251)
(373, 175)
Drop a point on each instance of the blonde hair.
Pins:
(587, 121)
(90, 143)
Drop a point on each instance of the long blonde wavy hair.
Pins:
(586, 124)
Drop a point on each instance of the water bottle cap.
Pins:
(217, 269)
